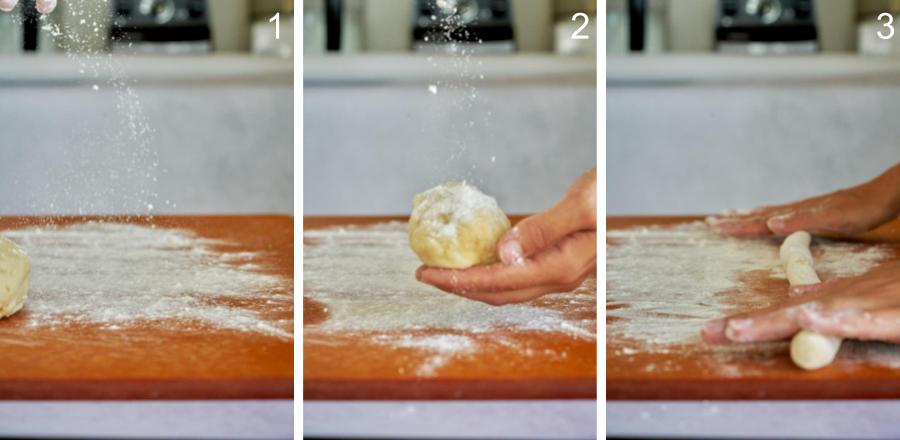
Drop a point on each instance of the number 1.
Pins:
(277, 19)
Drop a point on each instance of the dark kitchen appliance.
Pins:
(766, 27)
(483, 25)
(160, 26)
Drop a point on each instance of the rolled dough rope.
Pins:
(809, 350)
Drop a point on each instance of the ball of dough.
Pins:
(15, 271)
(455, 226)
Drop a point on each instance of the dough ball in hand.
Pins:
(456, 226)
(15, 271)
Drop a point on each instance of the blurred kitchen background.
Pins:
(715, 104)
(147, 106)
(401, 95)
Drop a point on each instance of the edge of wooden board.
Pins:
(445, 389)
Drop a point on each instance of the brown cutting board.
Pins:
(354, 366)
(694, 371)
(157, 359)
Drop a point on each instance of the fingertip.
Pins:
(736, 330)
(511, 253)
(781, 224)
(46, 6)
(713, 332)
(8, 5)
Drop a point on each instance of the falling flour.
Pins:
(117, 275)
(664, 283)
(365, 279)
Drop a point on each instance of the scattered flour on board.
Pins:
(364, 277)
(664, 283)
(441, 348)
(117, 275)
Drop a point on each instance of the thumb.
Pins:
(536, 233)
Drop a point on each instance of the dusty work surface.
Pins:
(197, 307)
(371, 331)
(667, 276)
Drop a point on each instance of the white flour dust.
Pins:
(457, 201)
(117, 275)
(458, 102)
(114, 165)
(440, 348)
(664, 283)
(365, 278)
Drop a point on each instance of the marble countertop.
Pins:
(715, 69)
(36, 70)
(417, 68)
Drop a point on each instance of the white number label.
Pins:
(577, 34)
(277, 19)
(890, 21)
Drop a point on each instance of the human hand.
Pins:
(43, 6)
(553, 251)
(856, 209)
(862, 307)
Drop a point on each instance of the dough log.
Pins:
(809, 350)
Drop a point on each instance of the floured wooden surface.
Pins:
(367, 320)
(198, 307)
(666, 277)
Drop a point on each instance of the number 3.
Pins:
(890, 21)
(576, 35)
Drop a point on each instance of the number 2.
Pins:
(890, 20)
(577, 36)
(277, 19)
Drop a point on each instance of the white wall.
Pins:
(224, 148)
(369, 148)
(697, 147)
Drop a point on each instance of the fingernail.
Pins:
(714, 327)
(46, 6)
(7, 5)
(735, 327)
(778, 222)
(511, 253)
(419, 274)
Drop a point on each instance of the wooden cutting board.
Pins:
(693, 370)
(355, 366)
(157, 360)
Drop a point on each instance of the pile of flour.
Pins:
(118, 275)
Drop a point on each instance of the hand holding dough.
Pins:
(456, 226)
(14, 276)
(809, 350)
